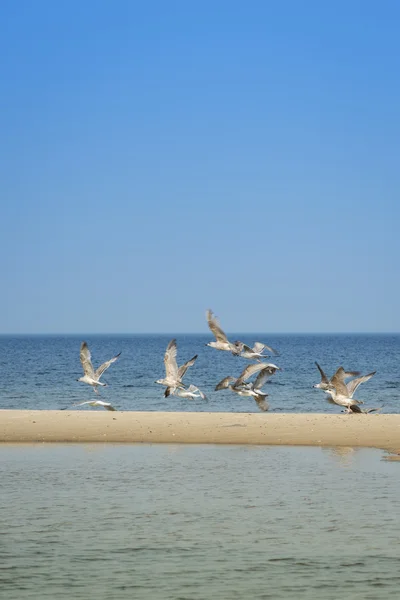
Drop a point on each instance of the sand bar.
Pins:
(378, 431)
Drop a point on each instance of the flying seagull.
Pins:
(242, 388)
(173, 374)
(190, 393)
(105, 405)
(257, 351)
(342, 393)
(325, 382)
(91, 376)
(222, 342)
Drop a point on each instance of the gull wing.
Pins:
(82, 403)
(259, 347)
(369, 410)
(261, 402)
(262, 377)
(215, 327)
(224, 384)
(100, 370)
(109, 407)
(324, 378)
(355, 409)
(248, 372)
(85, 357)
(194, 388)
(246, 348)
(337, 380)
(171, 366)
(182, 370)
(354, 383)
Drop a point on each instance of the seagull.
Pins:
(105, 405)
(91, 376)
(342, 393)
(325, 382)
(240, 387)
(190, 393)
(356, 409)
(173, 374)
(256, 351)
(221, 342)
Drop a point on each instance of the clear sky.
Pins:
(161, 158)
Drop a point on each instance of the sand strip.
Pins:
(378, 431)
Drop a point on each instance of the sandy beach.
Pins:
(377, 431)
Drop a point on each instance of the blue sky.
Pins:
(159, 158)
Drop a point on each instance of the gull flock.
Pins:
(339, 391)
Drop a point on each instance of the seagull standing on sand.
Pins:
(221, 342)
(256, 351)
(91, 376)
(240, 387)
(173, 374)
(342, 393)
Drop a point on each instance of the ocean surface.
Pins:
(40, 372)
(179, 522)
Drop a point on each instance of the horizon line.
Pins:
(60, 333)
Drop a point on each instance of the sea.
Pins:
(196, 522)
(40, 372)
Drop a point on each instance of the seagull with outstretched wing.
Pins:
(221, 341)
(174, 375)
(90, 376)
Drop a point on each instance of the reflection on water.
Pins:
(343, 454)
(197, 522)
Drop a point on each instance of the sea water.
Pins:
(40, 372)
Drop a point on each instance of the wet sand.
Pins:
(375, 431)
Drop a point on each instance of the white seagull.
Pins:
(222, 342)
(257, 351)
(173, 374)
(105, 405)
(91, 376)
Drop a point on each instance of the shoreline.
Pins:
(293, 429)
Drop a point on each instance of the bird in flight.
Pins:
(222, 342)
(91, 376)
(341, 393)
(243, 388)
(105, 405)
(174, 374)
(256, 352)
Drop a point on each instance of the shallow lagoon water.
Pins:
(196, 522)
